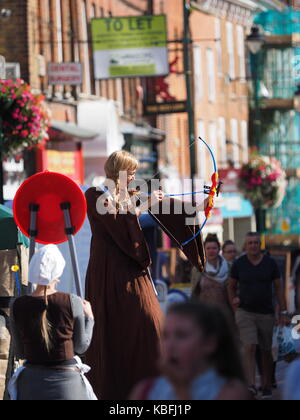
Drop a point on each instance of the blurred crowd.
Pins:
(219, 345)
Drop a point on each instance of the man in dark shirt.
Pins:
(251, 292)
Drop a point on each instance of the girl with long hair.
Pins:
(125, 346)
(211, 285)
(49, 329)
(200, 358)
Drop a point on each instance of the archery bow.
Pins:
(214, 191)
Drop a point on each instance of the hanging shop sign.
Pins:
(65, 74)
(165, 108)
(130, 46)
(69, 163)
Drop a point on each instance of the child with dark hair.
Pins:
(200, 359)
(230, 252)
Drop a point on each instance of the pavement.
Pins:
(281, 371)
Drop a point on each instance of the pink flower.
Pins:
(24, 133)
(272, 177)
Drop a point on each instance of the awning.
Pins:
(5, 212)
(66, 131)
(143, 132)
(234, 206)
(10, 234)
(101, 116)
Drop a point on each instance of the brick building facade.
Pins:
(43, 31)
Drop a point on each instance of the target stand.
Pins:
(50, 208)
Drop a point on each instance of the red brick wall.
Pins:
(14, 35)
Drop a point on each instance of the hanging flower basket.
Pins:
(263, 182)
(24, 117)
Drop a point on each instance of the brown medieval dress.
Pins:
(125, 347)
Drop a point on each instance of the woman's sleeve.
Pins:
(83, 326)
(124, 230)
(15, 335)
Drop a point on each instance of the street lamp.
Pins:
(255, 42)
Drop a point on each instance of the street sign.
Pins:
(165, 108)
(133, 46)
(61, 74)
(2, 67)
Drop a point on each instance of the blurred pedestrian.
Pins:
(183, 272)
(48, 329)
(230, 252)
(251, 287)
(200, 359)
(292, 382)
(128, 317)
(297, 285)
(211, 285)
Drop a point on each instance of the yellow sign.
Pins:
(286, 225)
(165, 108)
(62, 162)
(130, 46)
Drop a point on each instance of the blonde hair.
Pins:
(120, 161)
(46, 327)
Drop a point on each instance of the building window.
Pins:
(210, 59)
(93, 10)
(86, 52)
(222, 142)
(45, 38)
(245, 143)
(198, 73)
(201, 151)
(241, 51)
(96, 88)
(235, 143)
(120, 95)
(230, 50)
(59, 37)
(213, 140)
(218, 36)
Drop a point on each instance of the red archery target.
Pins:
(49, 190)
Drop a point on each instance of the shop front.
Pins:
(238, 213)
(143, 141)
